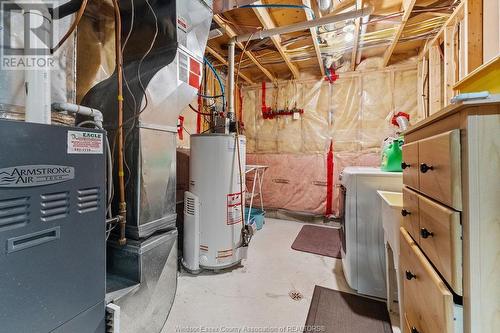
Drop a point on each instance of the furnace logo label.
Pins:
(35, 175)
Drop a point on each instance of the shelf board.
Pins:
(485, 77)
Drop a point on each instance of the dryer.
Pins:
(362, 235)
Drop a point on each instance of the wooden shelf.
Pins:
(485, 77)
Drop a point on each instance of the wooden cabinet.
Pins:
(410, 164)
(451, 241)
(425, 294)
(441, 240)
(439, 166)
(410, 212)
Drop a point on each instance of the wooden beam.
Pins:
(357, 25)
(407, 7)
(474, 28)
(449, 64)
(435, 80)
(314, 36)
(268, 23)
(231, 33)
(454, 18)
(222, 60)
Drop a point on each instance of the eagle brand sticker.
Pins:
(85, 142)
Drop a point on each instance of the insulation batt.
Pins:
(355, 114)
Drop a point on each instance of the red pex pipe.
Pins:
(329, 181)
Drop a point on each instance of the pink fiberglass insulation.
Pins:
(298, 182)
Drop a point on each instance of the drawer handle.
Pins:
(404, 212)
(404, 165)
(424, 167)
(414, 330)
(426, 233)
(410, 275)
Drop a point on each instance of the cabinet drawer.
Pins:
(410, 212)
(439, 168)
(441, 240)
(410, 165)
(428, 304)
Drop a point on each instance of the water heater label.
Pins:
(35, 175)
(85, 142)
(234, 213)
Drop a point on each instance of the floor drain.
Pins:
(295, 295)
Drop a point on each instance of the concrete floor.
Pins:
(257, 294)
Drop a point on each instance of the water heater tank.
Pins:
(215, 180)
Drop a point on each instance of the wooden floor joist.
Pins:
(231, 33)
(407, 7)
(268, 23)
(357, 28)
(314, 36)
(223, 61)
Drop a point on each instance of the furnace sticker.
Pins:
(85, 142)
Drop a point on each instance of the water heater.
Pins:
(213, 216)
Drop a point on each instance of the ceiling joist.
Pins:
(407, 8)
(314, 36)
(223, 61)
(357, 28)
(268, 23)
(231, 33)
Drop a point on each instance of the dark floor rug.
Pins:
(339, 312)
(318, 240)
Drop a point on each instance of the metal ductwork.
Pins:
(324, 5)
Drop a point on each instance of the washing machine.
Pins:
(362, 234)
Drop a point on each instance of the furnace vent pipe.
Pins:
(368, 10)
(324, 5)
(81, 110)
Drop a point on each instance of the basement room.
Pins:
(243, 166)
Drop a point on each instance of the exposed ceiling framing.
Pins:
(267, 23)
(314, 36)
(407, 7)
(231, 33)
(396, 30)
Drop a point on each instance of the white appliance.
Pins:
(363, 255)
(213, 217)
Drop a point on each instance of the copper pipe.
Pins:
(72, 29)
(122, 207)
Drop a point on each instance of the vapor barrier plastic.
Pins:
(354, 113)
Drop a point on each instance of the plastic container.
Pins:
(392, 157)
(256, 216)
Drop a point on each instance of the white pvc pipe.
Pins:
(81, 110)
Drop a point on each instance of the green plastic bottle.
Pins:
(392, 157)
